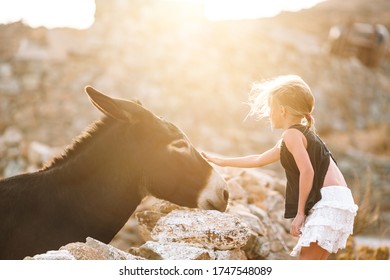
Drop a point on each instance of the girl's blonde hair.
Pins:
(289, 91)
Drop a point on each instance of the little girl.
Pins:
(317, 196)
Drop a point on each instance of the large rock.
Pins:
(181, 251)
(92, 249)
(210, 229)
(53, 255)
(172, 251)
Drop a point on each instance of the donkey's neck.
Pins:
(81, 143)
(92, 178)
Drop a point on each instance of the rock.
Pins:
(92, 249)
(172, 251)
(257, 248)
(109, 252)
(277, 232)
(81, 251)
(236, 191)
(5, 70)
(31, 81)
(129, 236)
(14, 167)
(210, 229)
(164, 207)
(235, 254)
(274, 207)
(147, 221)
(10, 86)
(181, 251)
(12, 136)
(53, 255)
(252, 221)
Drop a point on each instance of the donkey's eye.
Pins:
(179, 145)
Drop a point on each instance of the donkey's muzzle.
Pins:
(215, 195)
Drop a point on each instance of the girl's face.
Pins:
(275, 114)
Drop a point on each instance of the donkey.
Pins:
(98, 181)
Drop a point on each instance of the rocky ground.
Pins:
(191, 71)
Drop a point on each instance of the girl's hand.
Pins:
(211, 159)
(299, 220)
(206, 156)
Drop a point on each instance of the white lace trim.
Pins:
(330, 240)
(335, 219)
(336, 204)
(330, 221)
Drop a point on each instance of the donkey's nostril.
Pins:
(225, 195)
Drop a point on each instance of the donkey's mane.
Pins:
(80, 142)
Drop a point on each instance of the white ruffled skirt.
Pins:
(330, 221)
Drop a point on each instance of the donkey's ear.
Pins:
(106, 104)
(137, 101)
(122, 110)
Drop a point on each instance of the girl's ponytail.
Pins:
(310, 121)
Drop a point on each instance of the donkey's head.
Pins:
(168, 166)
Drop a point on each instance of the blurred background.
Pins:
(193, 63)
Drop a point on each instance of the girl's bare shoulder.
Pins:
(292, 136)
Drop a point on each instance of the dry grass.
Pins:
(369, 210)
(368, 217)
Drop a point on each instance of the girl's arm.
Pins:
(263, 159)
(296, 143)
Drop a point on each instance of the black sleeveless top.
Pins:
(319, 157)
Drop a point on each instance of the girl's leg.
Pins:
(313, 252)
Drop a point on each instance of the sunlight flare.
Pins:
(244, 9)
(49, 13)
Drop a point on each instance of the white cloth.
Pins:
(330, 221)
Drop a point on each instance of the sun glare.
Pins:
(49, 13)
(80, 13)
(240, 9)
